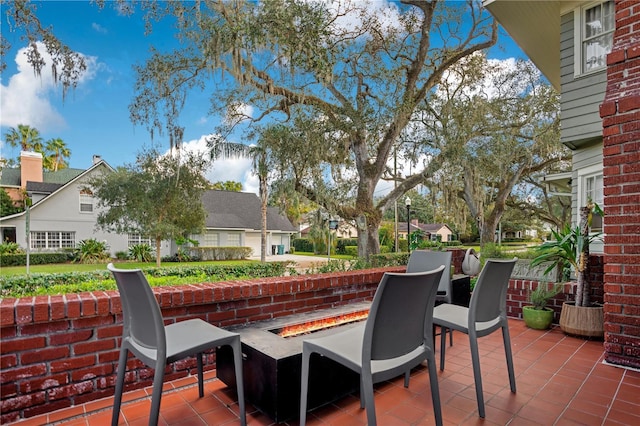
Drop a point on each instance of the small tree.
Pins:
(158, 197)
(571, 247)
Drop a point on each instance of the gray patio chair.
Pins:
(153, 343)
(487, 312)
(426, 260)
(396, 335)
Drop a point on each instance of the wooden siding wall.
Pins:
(581, 96)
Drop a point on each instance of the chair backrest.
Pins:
(489, 297)
(141, 315)
(427, 260)
(401, 314)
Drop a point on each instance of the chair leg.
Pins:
(507, 351)
(366, 387)
(435, 389)
(237, 363)
(407, 375)
(200, 375)
(156, 396)
(450, 337)
(477, 376)
(117, 397)
(443, 345)
(304, 385)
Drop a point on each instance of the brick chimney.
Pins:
(30, 168)
(620, 114)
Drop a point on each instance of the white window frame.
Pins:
(86, 199)
(52, 240)
(586, 175)
(231, 239)
(579, 17)
(135, 239)
(211, 238)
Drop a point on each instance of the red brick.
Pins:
(92, 322)
(615, 56)
(92, 372)
(8, 360)
(44, 328)
(50, 406)
(45, 354)
(24, 310)
(69, 364)
(93, 346)
(11, 375)
(72, 303)
(7, 311)
(42, 383)
(69, 390)
(608, 108)
(22, 401)
(41, 309)
(57, 307)
(17, 345)
(102, 303)
(71, 337)
(88, 304)
(109, 331)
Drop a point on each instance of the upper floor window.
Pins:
(592, 189)
(595, 24)
(86, 201)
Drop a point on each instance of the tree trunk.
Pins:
(263, 213)
(582, 274)
(158, 245)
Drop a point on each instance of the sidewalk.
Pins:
(302, 262)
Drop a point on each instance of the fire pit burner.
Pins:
(272, 364)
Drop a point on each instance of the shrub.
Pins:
(343, 243)
(351, 250)
(10, 248)
(141, 252)
(303, 244)
(92, 251)
(220, 253)
(122, 255)
(34, 259)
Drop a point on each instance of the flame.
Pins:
(322, 323)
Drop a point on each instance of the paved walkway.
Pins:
(302, 262)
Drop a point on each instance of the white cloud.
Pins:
(26, 98)
(98, 28)
(222, 170)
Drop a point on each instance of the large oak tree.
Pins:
(363, 70)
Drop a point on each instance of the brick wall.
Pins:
(620, 112)
(59, 351)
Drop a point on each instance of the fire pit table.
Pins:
(272, 363)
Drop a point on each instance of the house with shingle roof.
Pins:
(64, 212)
(234, 220)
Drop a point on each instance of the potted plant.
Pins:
(570, 248)
(538, 315)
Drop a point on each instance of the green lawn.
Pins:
(88, 267)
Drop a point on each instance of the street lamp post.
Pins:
(407, 202)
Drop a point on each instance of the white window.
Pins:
(594, 26)
(135, 239)
(86, 201)
(51, 240)
(591, 188)
(233, 240)
(211, 239)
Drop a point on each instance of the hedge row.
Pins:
(34, 259)
(220, 253)
(71, 282)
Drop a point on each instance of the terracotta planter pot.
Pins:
(539, 319)
(583, 321)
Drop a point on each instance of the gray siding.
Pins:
(581, 96)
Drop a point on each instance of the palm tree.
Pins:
(56, 149)
(259, 155)
(26, 137)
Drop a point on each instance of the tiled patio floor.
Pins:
(561, 380)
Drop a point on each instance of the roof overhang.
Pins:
(558, 183)
(535, 26)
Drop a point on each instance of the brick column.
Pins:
(620, 112)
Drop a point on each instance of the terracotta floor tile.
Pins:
(560, 380)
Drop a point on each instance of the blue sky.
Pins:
(94, 118)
